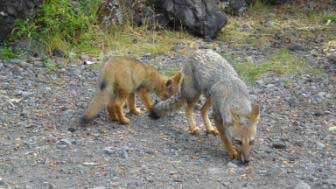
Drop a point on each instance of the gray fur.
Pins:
(208, 73)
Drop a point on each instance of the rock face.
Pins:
(200, 17)
(235, 7)
(12, 9)
(109, 14)
(142, 12)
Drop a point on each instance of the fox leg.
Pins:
(118, 105)
(193, 129)
(111, 111)
(205, 117)
(131, 104)
(228, 145)
(146, 99)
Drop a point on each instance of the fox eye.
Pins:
(251, 142)
(239, 142)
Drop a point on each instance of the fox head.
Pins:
(244, 131)
(169, 86)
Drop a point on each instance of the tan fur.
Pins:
(121, 78)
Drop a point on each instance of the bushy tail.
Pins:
(164, 107)
(101, 99)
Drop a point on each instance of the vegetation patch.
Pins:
(70, 26)
(51, 65)
(282, 62)
(7, 52)
(261, 25)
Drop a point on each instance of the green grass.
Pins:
(50, 64)
(281, 62)
(261, 22)
(332, 18)
(59, 24)
(73, 29)
(7, 53)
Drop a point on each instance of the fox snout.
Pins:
(244, 158)
(154, 115)
(245, 153)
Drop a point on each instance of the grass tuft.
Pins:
(72, 28)
(7, 53)
(281, 62)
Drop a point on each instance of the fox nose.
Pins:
(245, 159)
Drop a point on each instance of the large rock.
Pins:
(277, 2)
(141, 12)
(235, 7)
(12, 9)
(109, 14)
(200, 17)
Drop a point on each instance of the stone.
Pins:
(10, 10)
(292, 101)
(63, 144)
(109, 14)
(31, 142)
(279, 144)
(99, 187)
(320, 145)
(108, 150)
(269, 86)
(332, 58)
(200, 18)
(296, 47)
(236, 7)
(125, 153)
(215, 171)
(302, 185)
(232, 165)
(58, 52)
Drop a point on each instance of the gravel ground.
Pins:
(39, 149)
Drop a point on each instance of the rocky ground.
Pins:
(41, 145)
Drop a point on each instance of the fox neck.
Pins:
(156, 82)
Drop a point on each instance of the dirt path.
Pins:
(37, 149)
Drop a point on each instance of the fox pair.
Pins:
(205, 73)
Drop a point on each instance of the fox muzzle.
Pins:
(245, 159)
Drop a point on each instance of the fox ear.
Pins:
(169, 84)
(234, 117)
(255, 113)
(177, 77)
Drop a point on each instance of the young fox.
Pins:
(207, 73)
(120, 79)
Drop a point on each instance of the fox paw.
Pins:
(212, 131)
(135, 112)
(112, 115)
(125, 121)
(113, 118)
(234, 154)
(193, 130)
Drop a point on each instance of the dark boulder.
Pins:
(200, 17)
(141, 12)
(276, 2)
(109, 14)
(13, 9)
(234, 7)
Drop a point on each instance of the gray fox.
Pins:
(208, 73)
